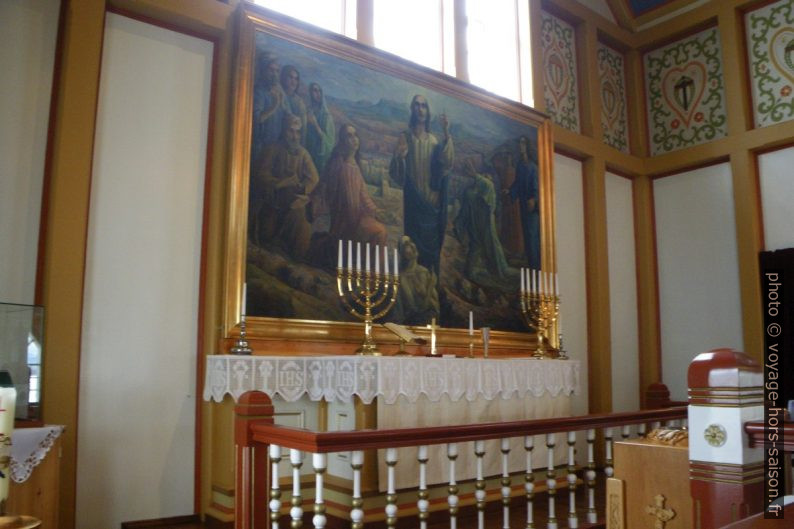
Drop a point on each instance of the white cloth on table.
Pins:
(29, 446)
(339, 378)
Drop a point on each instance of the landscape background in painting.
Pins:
(378, 105)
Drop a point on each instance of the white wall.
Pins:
(777, 198)
(571, 266)
(699, 301)
(28, 29)
(622, 294)
(137, 393)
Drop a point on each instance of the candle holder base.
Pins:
(241, 346)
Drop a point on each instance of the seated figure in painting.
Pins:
(417, 300)
(353, 212)
(280, 190)
(475, 226)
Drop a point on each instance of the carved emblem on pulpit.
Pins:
(715, 435)
(658, 511)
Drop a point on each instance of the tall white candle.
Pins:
(556, 284)
(341, 251)
(358, 256)
(377, 258)
(8, 397)
(386, 260)
(349, 254)
(471, 323)
(396, 263)
(534, 281)
(523, 286)
(366, 259)
(245, 295)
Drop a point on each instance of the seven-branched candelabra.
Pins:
(367, 293)
(540, 307)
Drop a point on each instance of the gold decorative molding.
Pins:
(715, 435)
(669, 436)
(657, 510)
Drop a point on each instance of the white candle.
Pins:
(341, 251)
(386, 260)
(396, 264)
(471, 323)
(523, 286)
(534, 278)
(349, 254)
(556, 284)
(358, 256)
(245, 295)
(8, 397)
(433, 336)
(377, 258)
(366, 260)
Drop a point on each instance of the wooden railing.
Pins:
(261, 446)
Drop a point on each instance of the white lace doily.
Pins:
(338, 378)
(29, 446)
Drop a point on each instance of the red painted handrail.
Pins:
(341, 441)
(758, 435)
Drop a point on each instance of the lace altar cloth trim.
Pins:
(29, 446)
(338, 378)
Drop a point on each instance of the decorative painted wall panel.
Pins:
(686, 93)
(559, 71)
(612, 88)
(770, 49)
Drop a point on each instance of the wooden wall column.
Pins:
(649, 333)
(597, 270)
(67, 191)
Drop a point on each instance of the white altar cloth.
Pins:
(388, 377)
(29, 446)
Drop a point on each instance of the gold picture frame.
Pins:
(346, 68)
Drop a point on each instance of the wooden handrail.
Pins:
(342, 441)
(757, 434)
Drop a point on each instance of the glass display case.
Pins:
(21, 348)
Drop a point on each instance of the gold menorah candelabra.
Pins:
(368, 294)
(540, 307)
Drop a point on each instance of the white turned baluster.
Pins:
(573, 520)
(479, 485)
(391, 493)
(608, 469)
(275, 491)
(590, 476)
(422, 504)
(551, 480)
(684, 423)
(505, 483)
(320, 463)
(626, 432)
(655, 425)
(296, 512)
(641, 429)
(357, 513)
(529, 480)
(452, 499)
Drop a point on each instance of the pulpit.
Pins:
(650, 487)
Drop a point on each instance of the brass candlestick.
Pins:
(241, 346)
(367, 291)
(540, 311)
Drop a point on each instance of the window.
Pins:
(498, 46)
(334, 15)
(411, 29)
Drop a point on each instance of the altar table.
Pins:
(414, 391)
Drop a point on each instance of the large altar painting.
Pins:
(350, 144)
